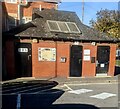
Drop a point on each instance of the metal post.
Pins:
(82, 11)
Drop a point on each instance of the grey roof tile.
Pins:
(38, 27)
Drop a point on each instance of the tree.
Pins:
(107, 22)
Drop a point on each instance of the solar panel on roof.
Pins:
(59, 26)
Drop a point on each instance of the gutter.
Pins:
(19, 10)
(53, 1)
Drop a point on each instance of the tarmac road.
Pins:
(97, 94)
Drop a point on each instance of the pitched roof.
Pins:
(38, 27)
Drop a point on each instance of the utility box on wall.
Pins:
(63, 59)
(93, 60)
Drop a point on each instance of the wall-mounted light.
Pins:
(76, 43)
(93, 43)
(35, 40)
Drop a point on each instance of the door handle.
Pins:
(29, 57)
(80, 60)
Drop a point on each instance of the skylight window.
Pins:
(73, 27)
(63, 26)
(53, 26)
(66, 27)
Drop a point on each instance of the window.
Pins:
(63, 26)
(53, 26)
(66, 27)
(73, 27)
(11, 1)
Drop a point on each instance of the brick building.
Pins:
(56, 44)
(18, 12)
(1, 16)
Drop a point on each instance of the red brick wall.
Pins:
(62, 69)
(51, 69)
(59, 69)
(11, 7)
(88, 68)
(45, 68)
(112, 60)
(27, 11)
(63, 50)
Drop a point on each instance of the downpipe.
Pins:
(20, 13)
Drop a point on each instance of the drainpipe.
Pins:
(40, 8)
(19, 10)
(56, 60)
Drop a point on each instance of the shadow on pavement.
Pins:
(42, 96)
(29, 94)
(40, 101)
(117, 70)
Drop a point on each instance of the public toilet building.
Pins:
(56, 44)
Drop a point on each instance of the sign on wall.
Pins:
(87, 52)
(46, 54)
(23, 50)
(86, 58)
(86, 55)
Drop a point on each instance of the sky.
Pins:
(90, 8)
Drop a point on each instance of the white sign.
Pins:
(86, 58)
(87, 52)
(102, 65)
(25, 50)
(47, 54)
